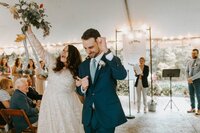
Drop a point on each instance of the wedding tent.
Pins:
(175, 32)
(69, 18)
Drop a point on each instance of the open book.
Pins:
(137, 69)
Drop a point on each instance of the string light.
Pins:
(131, 35)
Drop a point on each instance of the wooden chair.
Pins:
(2, 124)
(8, 113)
(2, 127)
(2, 121)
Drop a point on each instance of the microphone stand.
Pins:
(129, 116)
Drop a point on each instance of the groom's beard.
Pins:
(195, 57)
(94, 55)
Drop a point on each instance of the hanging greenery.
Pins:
(29, 13)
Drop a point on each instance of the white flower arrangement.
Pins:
(44, 73)
(101, 64)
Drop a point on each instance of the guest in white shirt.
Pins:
(6, 86)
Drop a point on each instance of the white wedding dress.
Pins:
(60, 110)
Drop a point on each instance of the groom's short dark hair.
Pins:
(90, 33)
(196, 50)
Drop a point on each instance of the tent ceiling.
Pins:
(70, 18)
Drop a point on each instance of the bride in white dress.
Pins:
(60, 110)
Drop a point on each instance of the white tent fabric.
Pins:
(70, 18)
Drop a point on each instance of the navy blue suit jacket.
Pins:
(102, 93)
(20, 101)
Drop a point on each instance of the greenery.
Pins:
(2, 69)
(27, 71)
(20, 71)
(44, 74)
(122, 87)
(162, 88)
(31, 14)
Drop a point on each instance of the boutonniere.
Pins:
(101, 64)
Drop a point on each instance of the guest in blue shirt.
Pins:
(193, 77)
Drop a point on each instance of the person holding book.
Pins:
(141, 83)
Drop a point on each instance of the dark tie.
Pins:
(93, 68)
(193, 65)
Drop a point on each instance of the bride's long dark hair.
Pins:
(73, 61)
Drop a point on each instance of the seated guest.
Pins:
(32, 93)
(6, 86)
(20, 100)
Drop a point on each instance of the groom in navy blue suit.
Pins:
(98, 75)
